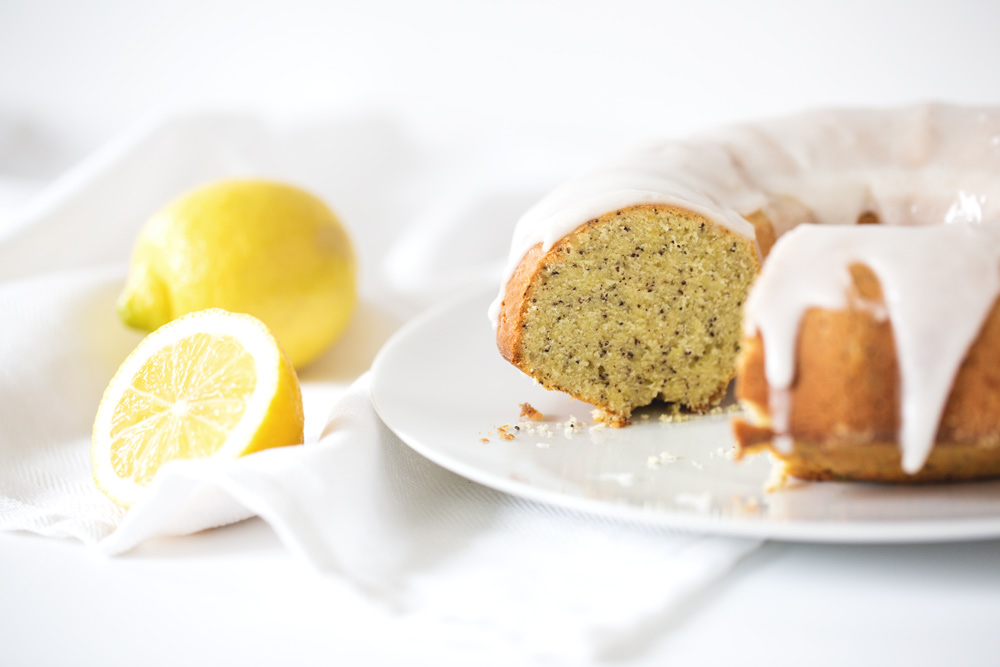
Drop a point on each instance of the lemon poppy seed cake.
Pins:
(632, 283)
(639, 304)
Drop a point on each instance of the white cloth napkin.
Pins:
(503, 573)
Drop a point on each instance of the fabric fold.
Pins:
(495, 570)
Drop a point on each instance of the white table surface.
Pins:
(473, 74)
(234, 596)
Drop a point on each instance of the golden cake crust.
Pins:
(515, 302)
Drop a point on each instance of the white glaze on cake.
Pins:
(939, 282)
(920, 165)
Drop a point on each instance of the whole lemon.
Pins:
(266, 249)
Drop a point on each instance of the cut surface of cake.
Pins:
(628, 285)
(639, 304)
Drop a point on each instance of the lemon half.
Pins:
(211, 383)
(268, 249)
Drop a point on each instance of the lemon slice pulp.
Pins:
(211, 383)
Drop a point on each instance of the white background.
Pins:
(486, 91)
(80, 72)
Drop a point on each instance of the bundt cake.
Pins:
(869, 350)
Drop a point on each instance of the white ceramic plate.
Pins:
(442, 387)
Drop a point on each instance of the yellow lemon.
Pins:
(267, 249)
(211, 383)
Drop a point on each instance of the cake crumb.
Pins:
(614, 421)
(663, 458)
(503, 433)
(484, 440)
(697, 466)
(530, 413)
(777, 479)
(543, 445)
(571, 426)
(673, 414)
(724, 453)
(527, 427)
